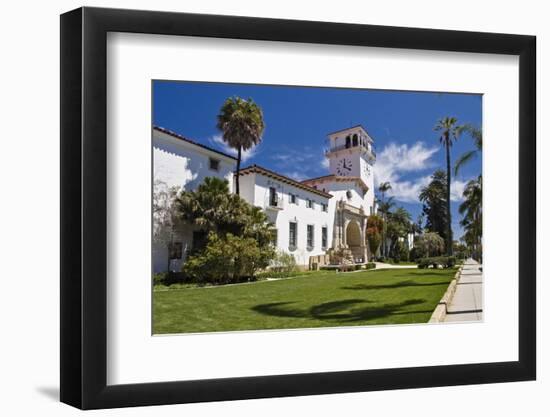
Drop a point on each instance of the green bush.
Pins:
(168, 278)
(436, 261)
(283, 262)
(228, 260)
(415, 254)
(370, 265)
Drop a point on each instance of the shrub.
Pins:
(227, 260)
(168, 278)
(415, 254)
(434, 262)
(283, 262)
(370, 265)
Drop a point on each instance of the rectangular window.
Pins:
(175, 250)
(214, 164)
(292, 198)
(309, 203)
(292, 235)
(275, 236)
(273, 199)
(324, 237)
(324, 207)
(310, 237)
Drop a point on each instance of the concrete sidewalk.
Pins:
(466, 304)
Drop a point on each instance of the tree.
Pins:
(165, 217)
(471, 211)
(466, 157)
(450, 131)
(399, 224)
(430, 244)
(433, 197)
(375, 226)
(228, 259)
(384, 206)
(236, 229)
(242, 125)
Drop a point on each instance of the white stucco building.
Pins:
(315, 217)
(183, 163)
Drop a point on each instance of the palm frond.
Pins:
(463, 159)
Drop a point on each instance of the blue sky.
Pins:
(298, 119)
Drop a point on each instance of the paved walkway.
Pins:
(467, 302)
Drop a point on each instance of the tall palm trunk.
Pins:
(449, 226)
(238, 170)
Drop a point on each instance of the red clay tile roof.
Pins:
(264, 171)
(338, 178)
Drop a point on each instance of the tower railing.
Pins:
(344, 146)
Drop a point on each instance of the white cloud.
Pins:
(407, 191)
(219, 143)
(394, 160)
(295, 175)
(300, 163)
(457, 188)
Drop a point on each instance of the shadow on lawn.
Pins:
(400, 284)
(344, 311)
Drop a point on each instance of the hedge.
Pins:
(436, 261)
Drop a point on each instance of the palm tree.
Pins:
(471, 210)
(383, 188)
(242, 125)
(384, 208)
(466, 157)
(449, 131)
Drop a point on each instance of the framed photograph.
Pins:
(259, 208)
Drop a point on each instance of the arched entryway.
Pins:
(353, 234)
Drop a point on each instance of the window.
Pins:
(348, 194)
(273, 198)
(355, 140)
(175, 250)
(292, 198)
(275, 236)
(214, 164)
(309, 203)
(348, 141)
(324, 207)
(324, 237)
(292, 235)
(310, 237)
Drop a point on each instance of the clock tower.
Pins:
(351, 154)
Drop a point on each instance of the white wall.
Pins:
(185, 165)
(298, 213)
(30, 353)
(182, 164)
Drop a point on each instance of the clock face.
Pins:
(344, 167)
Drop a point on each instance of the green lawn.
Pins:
(324, 299)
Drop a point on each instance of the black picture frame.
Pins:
(84, 207)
